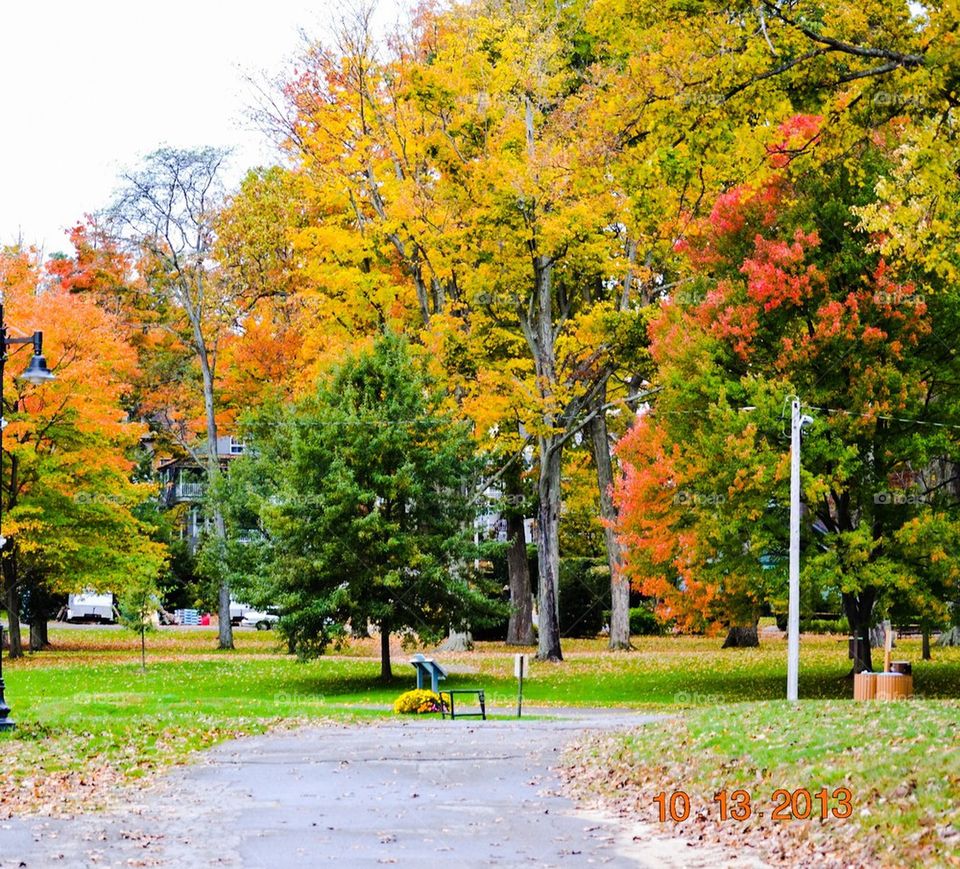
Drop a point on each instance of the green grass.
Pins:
(86, 713)
(899, 760)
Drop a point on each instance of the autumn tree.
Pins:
(71, 513)
(452, 195)
(512, 177)
(258, 262)
(165, 215)
(793, 300)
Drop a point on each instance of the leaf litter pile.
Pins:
(899, 760)
(65, 771)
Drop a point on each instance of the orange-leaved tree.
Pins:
(71, 513)
(792, 299)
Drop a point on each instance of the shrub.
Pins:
(494, 566)
(838, 625)
(824, 626)
(584, 595)
(416, 702)
(817, 623)
(643, 623)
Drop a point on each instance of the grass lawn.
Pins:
(900, 763)
(89, 719)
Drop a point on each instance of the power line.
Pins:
(886, 417)
(836, 410)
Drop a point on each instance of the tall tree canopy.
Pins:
(793, 299)
(514, 185)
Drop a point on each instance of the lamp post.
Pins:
(5, 722)
(37, 372)
(797, 422)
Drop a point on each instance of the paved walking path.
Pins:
(410, 793)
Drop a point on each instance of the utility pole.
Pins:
(797, 422)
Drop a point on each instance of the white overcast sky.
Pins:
(88, 88)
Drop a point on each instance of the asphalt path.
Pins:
(409, 793)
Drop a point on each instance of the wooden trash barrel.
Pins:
(894, 686)
(864, 686)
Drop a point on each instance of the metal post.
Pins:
(5, 722)
(37, 373)
(520, 695)
(793, 613)
(520, 670)
(3, 422)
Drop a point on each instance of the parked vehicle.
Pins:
(90, 607)
(262, 621)
(237, 611)
(244, 615)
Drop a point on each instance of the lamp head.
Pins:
(37, 371)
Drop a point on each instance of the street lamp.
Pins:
(37, 372)
(797, 422)
(5, 722)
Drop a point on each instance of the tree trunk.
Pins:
(520, 626)
(540, 337)
(950, 637)
(859, 608)
(385, 671)
(10, 564)
(13, 605)
(457, 641)
(225, 628)
(548, 551)
(39, 612)
(38, 632)
(143, 650)
(225, 632)
(619, 584)
(742, 637)
(925, 644)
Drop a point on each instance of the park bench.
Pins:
(427, 668)
(451, 707)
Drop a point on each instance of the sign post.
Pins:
(520, 665)
(887, 646)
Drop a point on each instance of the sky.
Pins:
(88, 89)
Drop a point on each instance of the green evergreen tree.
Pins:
(362, 499)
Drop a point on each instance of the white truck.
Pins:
(90, 607)
(244, 615)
